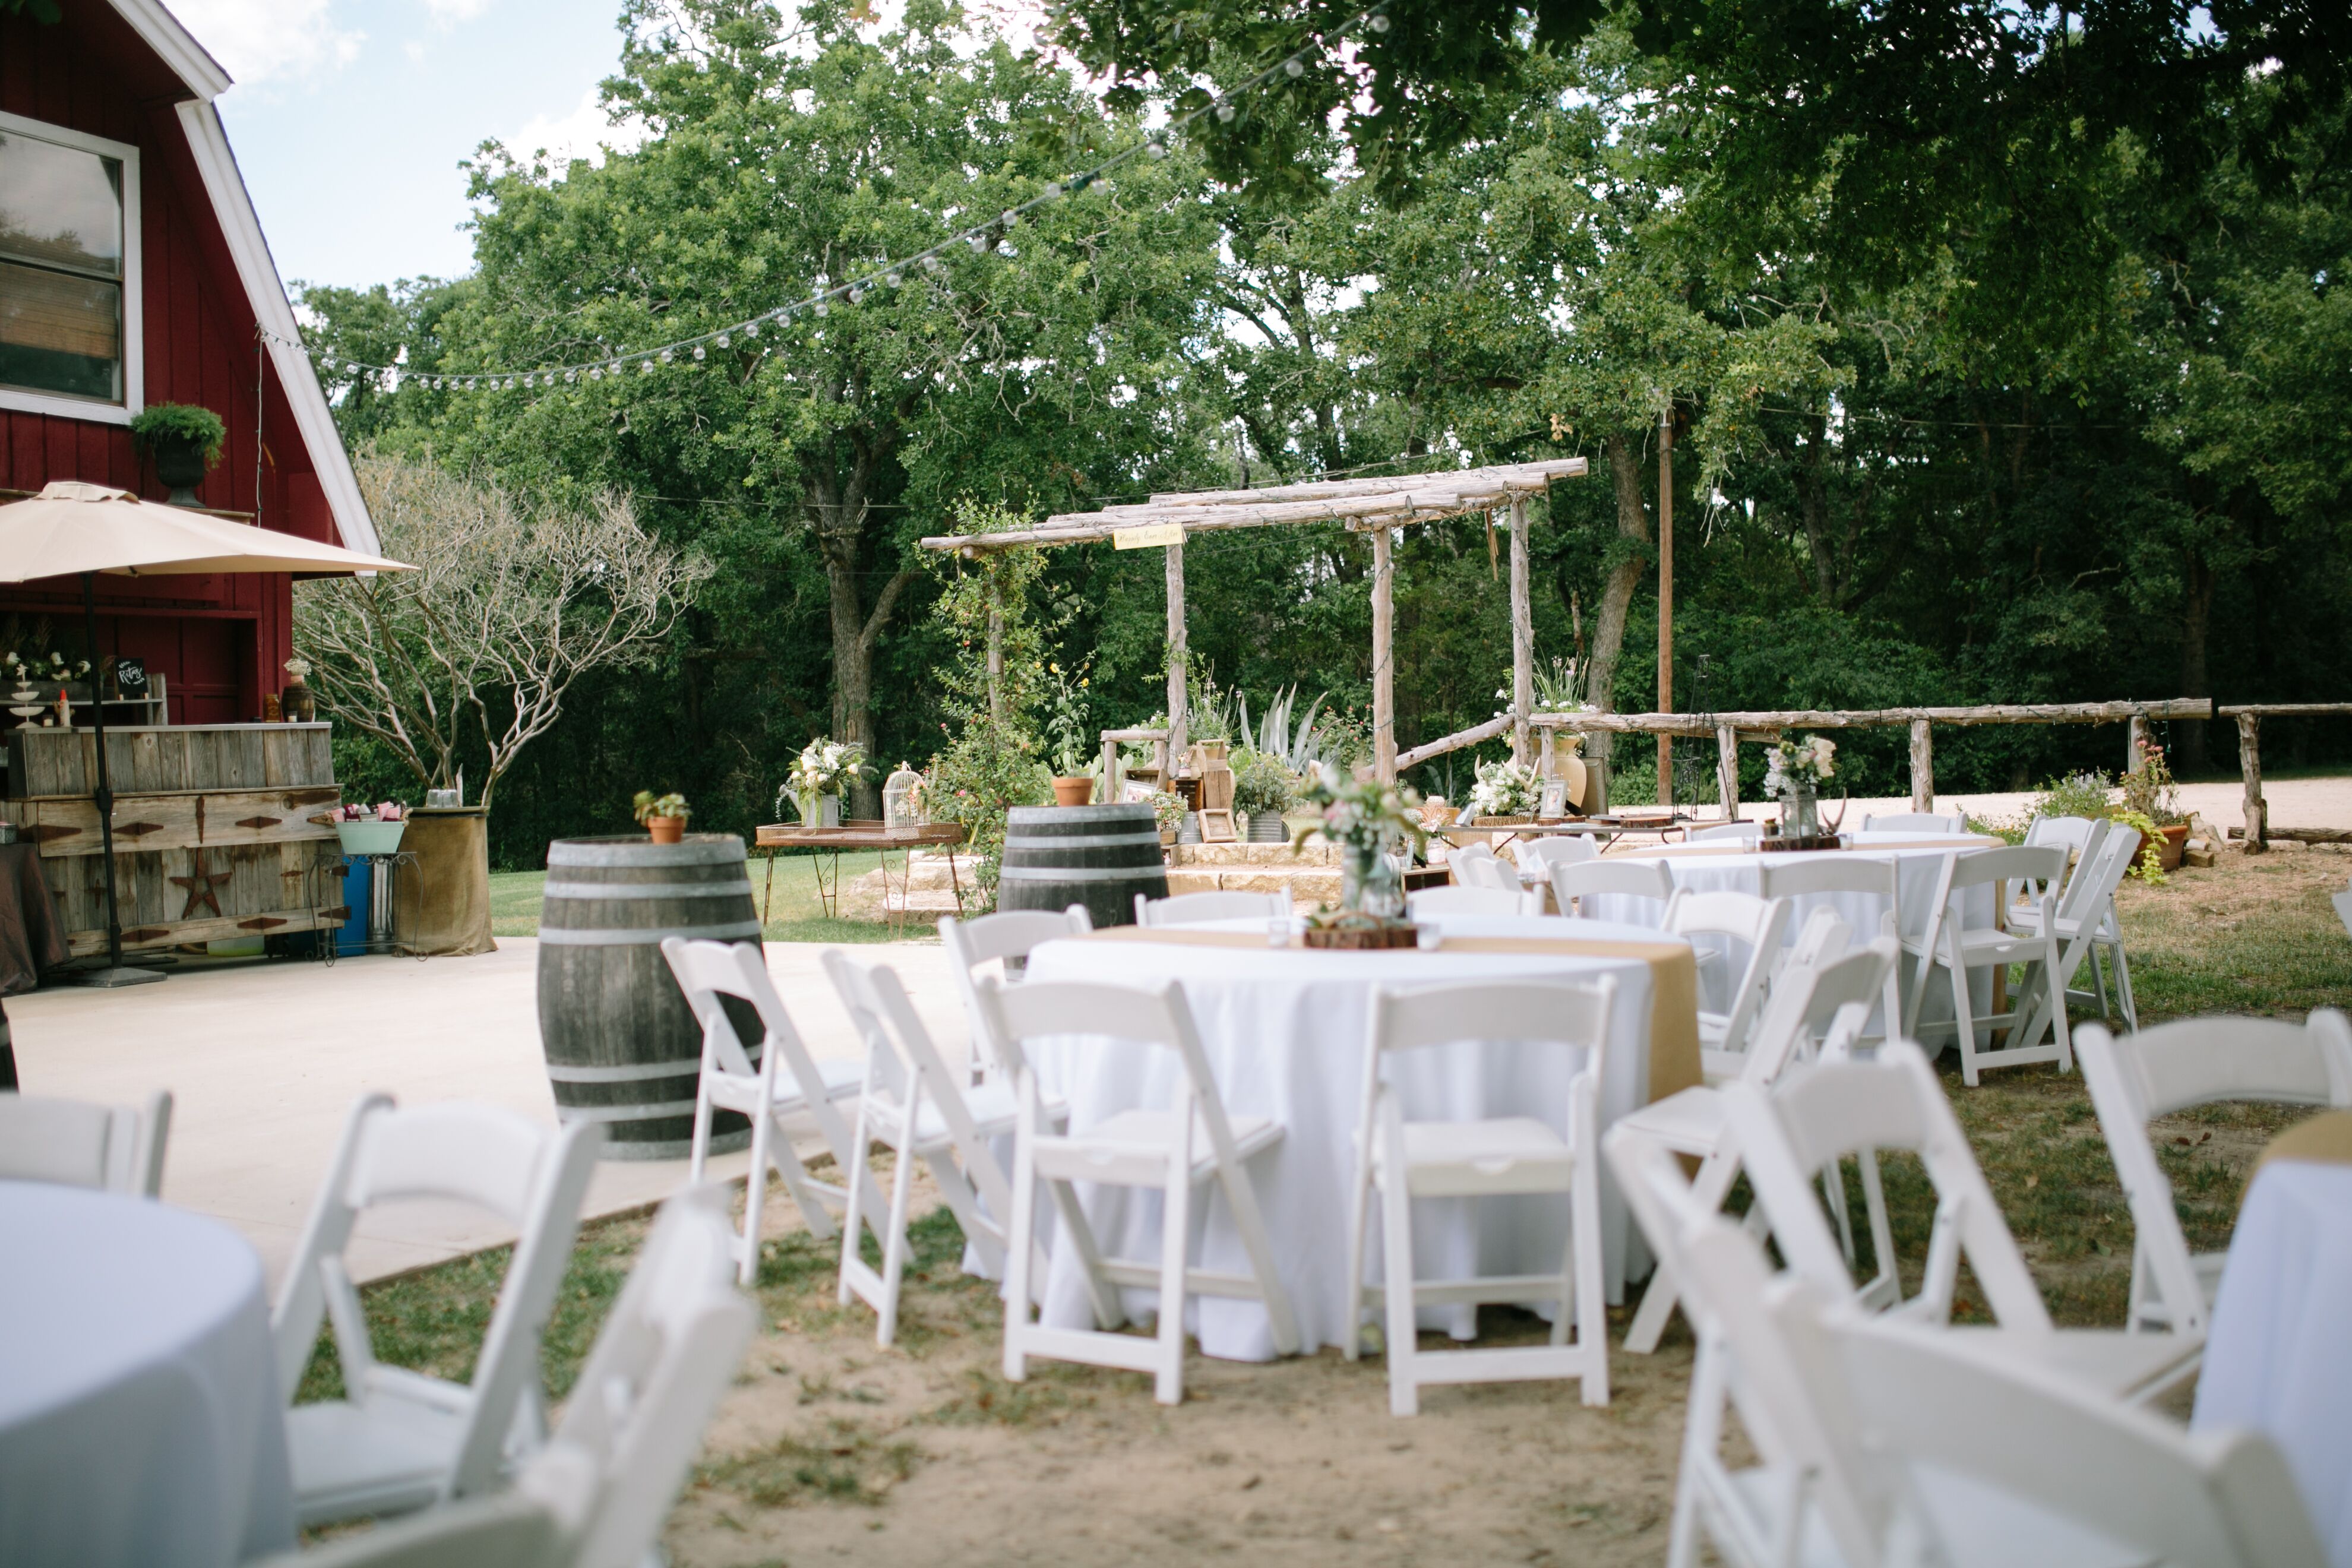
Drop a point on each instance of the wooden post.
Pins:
(2134, 733)
(1384, 748)
(1523, 635)
(2250, 763)
(995, 659)
(1923, 765)
(1666, 600)
(1726, 771)
(1177, 666)
(1111, 781)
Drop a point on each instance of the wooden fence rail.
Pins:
(2250, 716)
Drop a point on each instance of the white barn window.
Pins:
(70, 272)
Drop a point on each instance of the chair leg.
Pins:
(851, 1226)
(1403, 1332)
(1241, 1197)
(755, 1193)
(894, 1245)
(984, 1234)
(1110, 1308)
(795, 1175)
(1358, 1217)
(2058, 979)
(1841, 1212)
(1964, 1017)
(1019, 1237)
(699, 1151)
(2099, 983)
(1175, 1248)
(2124, 1002)
(1888, 1288)
(1586, 1276)
(1702, 1434)
(1708, 1189)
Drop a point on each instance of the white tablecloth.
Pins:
(1743, 873)
(139, 1417)
(2279, 1358)
(1285, 1034)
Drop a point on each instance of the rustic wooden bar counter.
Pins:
(220, 830)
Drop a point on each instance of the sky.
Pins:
(350, 117)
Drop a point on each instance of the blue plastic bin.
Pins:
(352, 936)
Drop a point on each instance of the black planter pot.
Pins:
(180, 467)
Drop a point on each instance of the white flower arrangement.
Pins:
(298, 668)
(825, 765)
(1811, 761)
(1506, 789)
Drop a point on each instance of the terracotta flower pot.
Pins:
(2175, 840)
(666, 829)
(1078, 790)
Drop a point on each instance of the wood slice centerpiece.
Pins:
(622, 1045)
(1361, 933)
(1768, 845)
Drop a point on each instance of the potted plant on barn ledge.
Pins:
(185, 440)
(664, 815)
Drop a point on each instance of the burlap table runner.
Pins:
(1673, 979)
(1947, 841)
(2324, 1140)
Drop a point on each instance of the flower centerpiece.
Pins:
(1368, 819)
(1168, 813)
(1795, 773)
(1506, 789)
(296, 701)
(824, 767)
(664, 815)
(371, 830)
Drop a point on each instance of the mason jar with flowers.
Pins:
(1507, 790)
(823, 769)
(1794, 774)
(1370, 822)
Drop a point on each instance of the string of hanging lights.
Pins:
(978, 237)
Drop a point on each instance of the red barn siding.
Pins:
(220, 641)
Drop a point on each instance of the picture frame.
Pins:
(1553, 803)
(1217, 826)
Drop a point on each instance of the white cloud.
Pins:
(261, 40)
(578, 134)
(449, 11)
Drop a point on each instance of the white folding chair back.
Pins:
(1170, 1150)
(1405, 1158)
(784, 1080)
(1929, 822)
(114, 1148)
(1479, 867)
(399, 1440)
(1947, 942)
(1605, 877)
(2343, 902)
(2134, 1079)
(1536, 857)
(1818, 1114)
(2082, 836)
(1195, 908)
(1429, 902)
(1758, 925)
(1794, 876)
(914, 1105)
(1006, 939)
(1749, 833)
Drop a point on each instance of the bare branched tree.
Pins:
(512, 601)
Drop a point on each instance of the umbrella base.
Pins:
(108, 978)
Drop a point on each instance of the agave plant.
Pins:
(1296, 747)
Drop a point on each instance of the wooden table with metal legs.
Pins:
(860, 835)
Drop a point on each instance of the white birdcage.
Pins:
(902, 798)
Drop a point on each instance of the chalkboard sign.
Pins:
(131, 677)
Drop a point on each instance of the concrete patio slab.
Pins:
(264, 1060)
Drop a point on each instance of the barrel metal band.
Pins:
(649, 890)
(570, 1114)
(1085, 840)
(1076, 873)
(630, 1072)
(560, 937)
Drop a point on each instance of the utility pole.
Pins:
(1666, 600)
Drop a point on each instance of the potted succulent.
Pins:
(184, 441)
(371, 830)
(664, 815)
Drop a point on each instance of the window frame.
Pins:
(134, 266)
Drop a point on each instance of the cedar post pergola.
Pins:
(1376, 507)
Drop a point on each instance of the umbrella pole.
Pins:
(114, 973)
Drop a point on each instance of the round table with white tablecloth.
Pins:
(141, 1423)
(1284, 1033)
(1728, 867)
(2277, 1359)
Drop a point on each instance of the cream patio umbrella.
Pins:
(81, 530)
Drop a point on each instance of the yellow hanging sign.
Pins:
(1147, 536)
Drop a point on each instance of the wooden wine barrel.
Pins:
(623, 1047)
(1099, 856)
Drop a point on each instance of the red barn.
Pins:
(133, 271)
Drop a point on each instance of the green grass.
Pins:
(794, 913)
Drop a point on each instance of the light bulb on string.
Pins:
(1380, 23)
(722, 340)
(665, 356)
(699, 353)
(1294, 67)
(1225, 111)
(1155, 150)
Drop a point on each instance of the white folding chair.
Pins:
(1193, 908)
(1755, 923)
(2134, 1079)
(2343, 902)
(1812, 1004)
(1929, 822)
(709, 972)
(114, 1148)
(1476, 866)
(1948, 944)
(598, 1494)
(1819, 1113)
(1407, 1159)
(913, 1105)
(399, 1440)
(1605, 877)
(1005, 938)
(1171, 1150)
(1536, 857)
(1426, 903)
(1748, 833)
(1844, 873)
(2082, 836)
